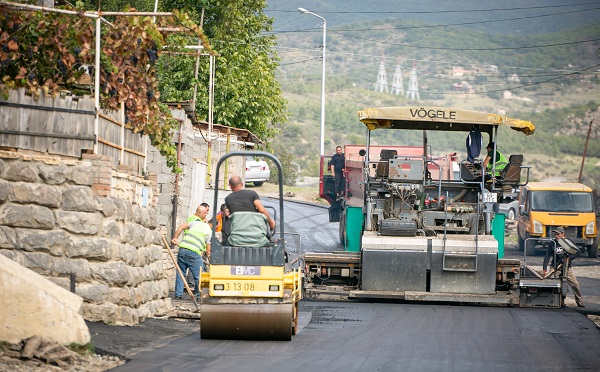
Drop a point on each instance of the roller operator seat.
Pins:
(248, 229)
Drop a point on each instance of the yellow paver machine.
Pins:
(249, 291)
(417, 225)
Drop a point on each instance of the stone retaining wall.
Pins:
(85, 220)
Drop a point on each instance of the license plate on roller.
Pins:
(245, 270)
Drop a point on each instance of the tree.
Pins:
(290, 175)
(45, 51)
(247, 94)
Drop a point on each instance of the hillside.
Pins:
(557, 87)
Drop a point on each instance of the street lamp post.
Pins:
(304, 11)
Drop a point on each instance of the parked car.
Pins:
(257, 171)
(510, 210)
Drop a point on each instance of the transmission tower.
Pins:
(381, 84)
(413, 85)
(397, 84)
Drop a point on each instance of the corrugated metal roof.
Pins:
(242, 134)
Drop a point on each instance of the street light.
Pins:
(304, 11)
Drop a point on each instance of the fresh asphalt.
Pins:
(386, 336)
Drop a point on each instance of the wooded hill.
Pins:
(558, 87)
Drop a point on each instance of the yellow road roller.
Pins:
(249, 291)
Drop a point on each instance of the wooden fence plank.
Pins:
(65, 126)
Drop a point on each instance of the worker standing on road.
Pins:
(336, 166)
(195, 244)
(563, 258)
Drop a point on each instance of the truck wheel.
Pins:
(258, 183)
(529, 245)
(593, 249)
(531, 248)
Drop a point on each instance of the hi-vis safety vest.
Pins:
(195, 236)
(501, 163)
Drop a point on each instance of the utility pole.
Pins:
(585, 150)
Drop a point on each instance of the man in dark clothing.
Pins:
(563, 258)
(244, 200)
(336, 166)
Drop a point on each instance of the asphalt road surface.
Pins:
(308, 224)
(348, 336)
(389, 336)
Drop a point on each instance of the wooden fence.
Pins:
(65, 126)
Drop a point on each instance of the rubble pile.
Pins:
(36, 354)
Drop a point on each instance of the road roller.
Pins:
(249, 291)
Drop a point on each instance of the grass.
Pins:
(86, 349)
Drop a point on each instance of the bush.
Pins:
(290, 173)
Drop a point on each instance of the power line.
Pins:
(306, 60)
(469, 23)
(361, 55)
(436, 11)
(443, 25)
(487, 91)
(549, 80)
(465, 49)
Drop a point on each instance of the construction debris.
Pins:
(36, 354)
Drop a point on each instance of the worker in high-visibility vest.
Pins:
(490, 160)
(194, 245)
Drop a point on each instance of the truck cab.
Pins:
(546, 205)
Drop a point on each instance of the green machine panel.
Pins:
(354, 223)
(498, 232)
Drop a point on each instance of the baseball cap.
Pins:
(559, 230)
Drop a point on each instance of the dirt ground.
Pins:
(306, 193)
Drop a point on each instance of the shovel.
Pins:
(187, 287)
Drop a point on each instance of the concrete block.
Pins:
(34, 306)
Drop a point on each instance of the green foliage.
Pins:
(45, 53)
(246, 93)
(550, 137)
(82, 349)
(350, 79)
(42, 51)
(288, 166)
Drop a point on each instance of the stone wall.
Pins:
(85, 221)
(193, 159)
